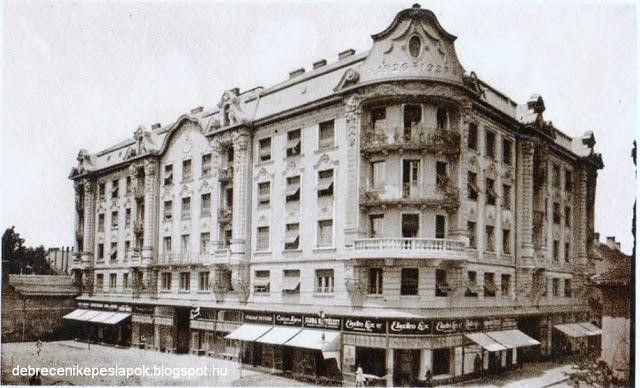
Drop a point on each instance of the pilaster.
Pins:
(526, 208)
(89, 223)
(150, 210)
(353, 118)
(241, 215)
(581, 217)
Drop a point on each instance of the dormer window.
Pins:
(415, 46)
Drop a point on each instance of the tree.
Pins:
(18, 259)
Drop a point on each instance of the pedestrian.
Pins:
(38, 347)
(143, 342)
(428, 379)
(477, 364)
(359, 377)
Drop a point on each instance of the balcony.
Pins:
(138, 192)
(413, 248)
(225, 174)
(418, 195)
(225, 216)
(138, 227)
(183, 258)
(422, 140)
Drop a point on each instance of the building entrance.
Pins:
(181, 322)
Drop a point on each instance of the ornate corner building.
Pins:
(389, 210)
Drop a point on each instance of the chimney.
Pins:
(596, 238)
(296, 72)
(618, 245)
(319, 63)
(611, 242)
(196, 110)
(346, 53)
(155, 126)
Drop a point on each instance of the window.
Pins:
(168, 207)
(113, 253)
(264, 149)
(415, 46)
(440, 226)
(262, 243)
(377, 174)
(291, 281)
(293, 142)
(324, 281)
(472, 141)
(204, 243)
(325, 183)
(409, 281)
(206, 165)
(327, 131)
(489, 244)
(127, 246)
(378, 114)
(205, 205)
(127, 217)
(262, 282)
(113, 280)
(99, 281)
(229, 197)
(204, 281)
(114, 189)
(489, 285)
(568, 181)
(556, 176)
(166, 244)
(472, 284)
(412, 116)
(101, 222)
(556, 250)
(166, 281)
(186, 170)
(567, 288)
(185, 241)
(410, 225)
(442, 119)
(506, 241)
(186, 208)
(168, 175)
(505, 284)
(101, 191)
(567, 216)
(292, 193)
(100, 251)
(325, 233)
(127, 185)
(375, 225)
(556, 287)
(506, 151)
(556, 213)
(491, 193)
(442, 179)
(375, 281)
(410, 177)
(292, 236)
(567, 252)
(506, 197)
(185, 281)
(264, 193)
(471, 230)
(114, 219)
(125, 280)
(490, 144)
(442, 287)
(472, 186)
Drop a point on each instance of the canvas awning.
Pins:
(292, 190)
(324, 185)
(96, 316)
(75, 314)
(582, 329)
(116, 318)
(485, 342)
(313, 339)
(290, 283)
(512, 338)
(591, 328)
(278, 335)
(248, 332)
(291, 236)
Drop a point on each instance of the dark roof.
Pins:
(620, 267)
(43, 285)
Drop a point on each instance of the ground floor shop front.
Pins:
(330, 349)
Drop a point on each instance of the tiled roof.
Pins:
(619, 272)
(44, 285)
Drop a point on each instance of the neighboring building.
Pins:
(33, 307)
(389, 210)
(59, 259)
(614, 281)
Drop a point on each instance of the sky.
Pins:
(87, 74)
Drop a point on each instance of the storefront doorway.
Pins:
(531, 327)
(181, 323)
(287, 359)
(441, 361)
(372, 360)
(406, 364)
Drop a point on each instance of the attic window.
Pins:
(415, 46)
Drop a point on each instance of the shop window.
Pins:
(115, 189)
(294, 141)
(262, 242)
(326, 134)
(471, 231)
(168, 207)
(292, 193)
(325, 183)
(491, 193)
(292, 236)
(472, 139)
(324, 281)
(375, 281)
(262, 282)
(409, 281)
(186, 170)
(264, 149)
(490, 239)
(472, 284)
(325, 233)
(205, 238)
(375, 225)
(410, 225)
(440, 226)
(490, 145)
(505, 285)
(186, 208)
(507, 151)
(441, 361)
(264, 193)
(166, 281)
(472, 186)
(489, 285)
(203, 281)
(168, 175)
(506, 197)
(506, 241)
(567, 288)
(205, 205)
(442, 287)
(377, 174)
(206, 165)
(185, 281)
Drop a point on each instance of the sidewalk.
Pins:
(535, 375)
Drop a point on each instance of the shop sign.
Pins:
(83, 305)
(509, 323)
(349, 357)
(143, 310)
(288, 320)
(492, 324)
(472, 324)
(409, 326)
(447, 326)
(262, 318)
(97, 305)
(364, 325)
(329, 323)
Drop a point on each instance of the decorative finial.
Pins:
(415, 6)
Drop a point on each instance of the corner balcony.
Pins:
(421, 195)
(419, 139)
(410, 248)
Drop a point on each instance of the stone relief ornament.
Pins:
(472, 163)
(490, 218)
(490, 171)
(325, 161)
(205, 187)
(186, 191)
(506, 220)
(352, 115)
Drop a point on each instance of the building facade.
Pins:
(388, 210)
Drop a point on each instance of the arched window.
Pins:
(415, 46)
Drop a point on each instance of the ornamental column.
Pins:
(353, 118)
(150, 210)
(241, 215)
(89, 223)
